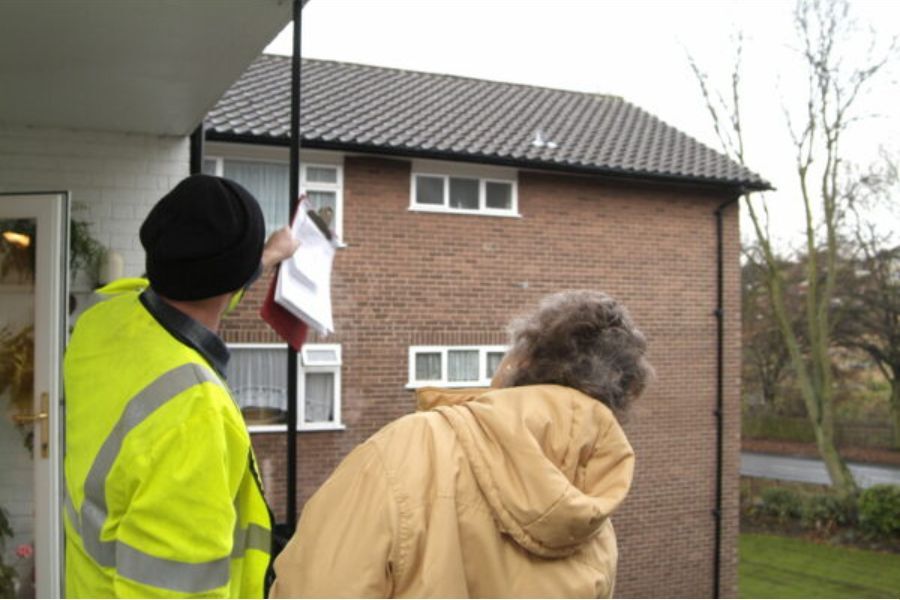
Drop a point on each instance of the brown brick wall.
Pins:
(411, 278)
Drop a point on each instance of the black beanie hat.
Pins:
(204, 238)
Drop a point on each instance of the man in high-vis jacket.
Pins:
(163, 496)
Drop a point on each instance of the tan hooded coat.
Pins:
(500, 493)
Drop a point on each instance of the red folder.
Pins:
(286, 325)
(291, 329)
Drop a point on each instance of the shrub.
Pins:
(825, 512)
(781, 503)
(879, 510)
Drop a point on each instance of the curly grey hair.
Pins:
(583, 340)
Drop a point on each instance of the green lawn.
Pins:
(780, 567)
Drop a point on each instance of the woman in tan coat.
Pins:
(504, 492)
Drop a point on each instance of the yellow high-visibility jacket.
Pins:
(162, 494)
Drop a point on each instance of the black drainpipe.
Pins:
(197, 149)
(720, 390)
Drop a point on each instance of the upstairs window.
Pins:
(453, 366)
(323, 186)
(268, 181)
(463, 194)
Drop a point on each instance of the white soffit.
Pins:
(143, 66)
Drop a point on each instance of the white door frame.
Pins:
(51, 210)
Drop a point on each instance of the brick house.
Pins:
(461, 203)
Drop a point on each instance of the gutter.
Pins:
(737, 186)
(720, 390)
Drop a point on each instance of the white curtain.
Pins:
(493, 361)
(462, 365)
(258, 376)
(428, 366)
(268, 182)
(319, 398)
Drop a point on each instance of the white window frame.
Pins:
(337, 188)
(484, 380)
(482, 209)
(304, 185)
(308, 366)
(303, 367)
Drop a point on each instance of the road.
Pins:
(810, 470)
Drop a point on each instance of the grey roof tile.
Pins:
(380, 109)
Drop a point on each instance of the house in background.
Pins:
(461, 203)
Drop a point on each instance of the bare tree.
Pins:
(765, 357)
(828, 113)
(869, 316)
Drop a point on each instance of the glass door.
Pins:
(32, 334)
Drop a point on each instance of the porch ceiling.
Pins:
(143, 66)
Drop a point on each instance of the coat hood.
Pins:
(552, 463)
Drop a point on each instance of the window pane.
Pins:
(462, 365)
(428, 366)
(464, 193)
(320, 356)
(257, 378)
(319, 199)
(499, 195)
(268, 182)
(209, 166)
(318, 398)
(321, 174)
(324, 203)
(429, 190)
(493, 361)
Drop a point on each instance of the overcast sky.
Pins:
(635, 49)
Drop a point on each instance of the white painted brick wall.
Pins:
(114, 179)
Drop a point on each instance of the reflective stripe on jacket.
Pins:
(162, 498)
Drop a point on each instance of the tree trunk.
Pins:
(895, 410)
(841, 477)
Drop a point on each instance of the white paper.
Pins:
(304, 280)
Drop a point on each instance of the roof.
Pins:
(390, 111)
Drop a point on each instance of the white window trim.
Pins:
(482, 209)
(483, 379)
(333, 367)
(304, 185)
(337, 188)
(307, 366)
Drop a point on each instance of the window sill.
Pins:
(472, 213)
(306, 429)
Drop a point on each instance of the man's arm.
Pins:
(279, 246)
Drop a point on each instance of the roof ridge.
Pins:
(282, 57)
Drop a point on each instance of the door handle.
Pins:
(43, 418)
(25, 419)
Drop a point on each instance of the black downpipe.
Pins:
(197, 149)
(295, 194)
(720, 392)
